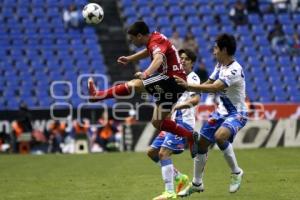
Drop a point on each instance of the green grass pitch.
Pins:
(270, 174)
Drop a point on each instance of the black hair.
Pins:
(190, 54)
(226, 41)
(138, 27)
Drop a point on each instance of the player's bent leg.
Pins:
(164, 153)
(153, 154)
(235, 181)
(160, 121)
(159, 114)
(167, 169)
(181, 180)
(222, 135)
(200, 162)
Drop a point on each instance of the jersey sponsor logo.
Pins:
(233, 72)
(169, 142)
(195, 78)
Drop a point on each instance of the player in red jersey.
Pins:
(157, 79)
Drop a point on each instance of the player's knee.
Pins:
(163, 155)
(135, 84)
(220, 139)
(151, 153)
(203, 145)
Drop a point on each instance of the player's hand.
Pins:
(123, 60)
(181, 82)
(174, 108)
(139, 75)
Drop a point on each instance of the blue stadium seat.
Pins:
(243, 30)
(175, 10)
(228, 29)
(250, 51)
(178, 21)
(212, 31)
(246, 40)
(296, 18)
(126, 3)
(269, 19)
(142, 3)
(220, 9)
(257, 30)
(208, 20)
(160, 11)
(288, 29)
(145, 11)
(149, 21)
(129, 11)
(262, 41)
(181, 31)
(265, 51)
(284, 18)
(163, 21)
(193, 21)
(197, 31)
(205, 10)
(156, 3)
(254, 19)
(167, 31)
(190, 11)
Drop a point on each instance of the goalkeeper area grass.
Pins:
(270, 174)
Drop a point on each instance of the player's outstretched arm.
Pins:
(217, 86)
(153, 67)
(134, 57)
(155, 64)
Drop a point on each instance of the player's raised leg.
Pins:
(161, 122)
(124, 89)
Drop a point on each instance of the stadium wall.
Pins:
(270, 125)
(256, 134)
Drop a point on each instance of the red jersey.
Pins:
(171, 65)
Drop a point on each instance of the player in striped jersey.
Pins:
(166, 144)
(228, 80)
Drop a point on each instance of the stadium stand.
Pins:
(36, 49)
(271, 77)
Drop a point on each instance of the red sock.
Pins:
(115, 91)
(172, 127)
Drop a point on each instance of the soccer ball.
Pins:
(93, 13)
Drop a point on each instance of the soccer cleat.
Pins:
(181, 181)
(195, 147)
(92, 90)
(190, 189)
(166, 195)
(235, 181)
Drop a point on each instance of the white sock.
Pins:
(175, 173)
(168, 174)
(231, 159)
(199, 164)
